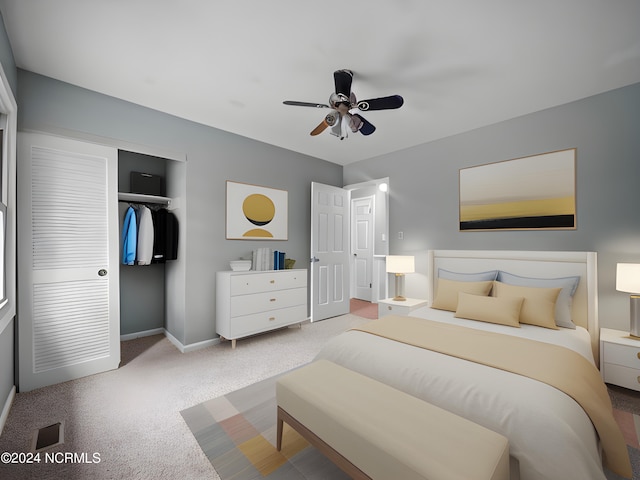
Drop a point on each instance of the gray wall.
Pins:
(604, 128)
(213, 156)
(7, 334)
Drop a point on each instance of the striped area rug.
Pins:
(237, 433)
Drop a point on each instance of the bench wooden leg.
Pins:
(279, 432)
(341, 462)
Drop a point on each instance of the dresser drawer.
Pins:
(624, 355)
(620, 375)
(266, 301)
(268, 281)
(263, 321)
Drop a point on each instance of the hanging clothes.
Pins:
(144, 251)
(149, 235)
(159, 240)
(165, 244)
(129, 237)
(171, 237)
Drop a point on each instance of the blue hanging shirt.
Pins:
(129, 237)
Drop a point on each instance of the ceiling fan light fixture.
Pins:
(337, 99)
(331, 118)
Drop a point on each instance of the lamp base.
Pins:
(634, 317)
(399, 297)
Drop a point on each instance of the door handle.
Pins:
(102, 272)
(314, 259)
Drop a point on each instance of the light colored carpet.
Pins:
(131, 416)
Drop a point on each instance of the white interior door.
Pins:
(329, 251)
(68, 297)
(362, 231)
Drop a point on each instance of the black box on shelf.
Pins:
(146, 183)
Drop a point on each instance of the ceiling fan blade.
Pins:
(320, 128)
(305, 104)
(382, 103)
(343, 79)
(329, 120)
(367, 127)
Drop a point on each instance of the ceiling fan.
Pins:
(345, 116)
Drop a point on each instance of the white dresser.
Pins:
(253, 302)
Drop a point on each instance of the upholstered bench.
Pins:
(373, 431)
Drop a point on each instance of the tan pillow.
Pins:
(538, 307)
(447, 294)
(502, 310)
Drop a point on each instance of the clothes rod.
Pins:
(143, 198)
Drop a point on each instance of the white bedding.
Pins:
(549, 434)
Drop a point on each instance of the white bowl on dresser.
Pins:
(240, 265)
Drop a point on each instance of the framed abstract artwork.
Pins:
(256, 213)
(530, 193)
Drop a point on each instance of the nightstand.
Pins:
(389, 306)
(620, 358)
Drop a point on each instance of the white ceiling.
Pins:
(459, 64)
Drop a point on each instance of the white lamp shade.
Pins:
(400, 264)
(628, 277)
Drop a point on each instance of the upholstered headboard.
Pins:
(531, 264)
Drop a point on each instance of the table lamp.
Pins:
(399, 265)
(628, 280)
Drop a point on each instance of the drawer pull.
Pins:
(272, 281)
(389, 307)
(638, 379)
(638, 355)
(272, 299)
(271, 319)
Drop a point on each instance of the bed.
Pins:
(550, 435)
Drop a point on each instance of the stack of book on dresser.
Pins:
(267, 259)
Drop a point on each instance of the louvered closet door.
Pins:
(68, 298)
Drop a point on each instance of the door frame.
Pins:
(381, 232)
(353, 258)
(334, 260)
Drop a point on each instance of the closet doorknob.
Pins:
(102, 272)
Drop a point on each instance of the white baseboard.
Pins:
(6, 408)
(146, 333)
(191, 347)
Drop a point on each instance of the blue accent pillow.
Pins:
(565, 298)
(489, 276)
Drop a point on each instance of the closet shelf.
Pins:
(143, 198)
